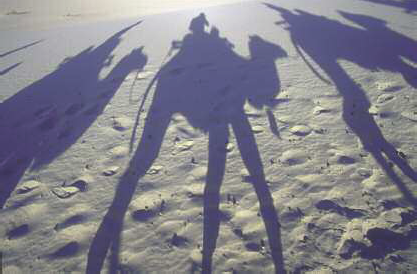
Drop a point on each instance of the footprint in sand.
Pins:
(82, 183)
(28, 186)
(300, 130)
(155, 169)
(320, 109)
(68, 250)
(65, 192)
(383, 98)
(411, 115)
(79, 185)
(341, 157)
(182, 146)
(119, 152)
(147, 206)
(195, 190)
(121, 123)
(257, 129)
(111, 171)
(73, 220)
(294, 157)
(388, 86)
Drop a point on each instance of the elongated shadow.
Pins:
(56, 110)
(379, 48)
(7, 70)
(409, 6)
(20, 48)
(208, 83)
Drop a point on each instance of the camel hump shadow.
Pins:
(207, 81)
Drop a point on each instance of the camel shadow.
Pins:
(374, 46)
(44, 119)
(208, 83)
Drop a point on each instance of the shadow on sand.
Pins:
(41, 121)
(374, 46)
(10, 68)
(409, 6)
(208, 83)
(20, 48)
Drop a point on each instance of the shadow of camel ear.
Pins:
(363, 20)
(260, 48)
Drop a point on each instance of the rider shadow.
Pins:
(208, 83)
(44, 119)
(373, 47)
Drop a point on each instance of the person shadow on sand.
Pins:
(207, 83)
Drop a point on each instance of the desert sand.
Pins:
(208, 136)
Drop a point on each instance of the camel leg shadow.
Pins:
(252, 160)
(358, 118)
(216, 168)
(108, 235)
(218, 137)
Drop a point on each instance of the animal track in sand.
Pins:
(257, 129)
(155, 169)
(341, 157)
(294, 157)
(73, 220)
(383, 98)
(411, 115)
(147, 206)
(68, 191)
(300, 130)
(110, 171)
(118, 152)
(388, 86)
(121, 123)
(65, 192)
(320, 109)
(68, 250)
(28, 186)
(182, 146)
